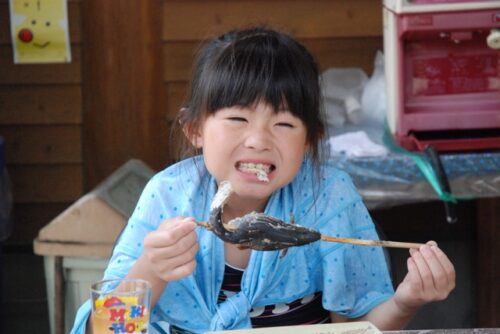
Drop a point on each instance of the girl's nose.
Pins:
(258, 139)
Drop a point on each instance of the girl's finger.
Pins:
(423, 270)
(446, 264)
(179, 247)
(171, 234)
(413, 276)
(431, 243)
(176, 261)
(171, 223)
(439, 276)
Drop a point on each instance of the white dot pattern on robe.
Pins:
(353, 279)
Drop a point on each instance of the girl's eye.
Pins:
(237, 119)
(284, 124)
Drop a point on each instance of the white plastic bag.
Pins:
(342, 89)
(373, 98)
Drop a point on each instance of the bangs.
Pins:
(246, 73)
(242, 68)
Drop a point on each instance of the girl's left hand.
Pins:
(431, 277)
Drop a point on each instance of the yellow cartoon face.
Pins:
(40, 32)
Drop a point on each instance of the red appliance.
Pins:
(442, 63)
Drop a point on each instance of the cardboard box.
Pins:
(91, 225)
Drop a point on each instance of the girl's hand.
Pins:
(170, 250)
(431, 277)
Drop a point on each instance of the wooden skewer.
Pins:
(204, 224)
(363, 242)
(225, 191)
(381, 243)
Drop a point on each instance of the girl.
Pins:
(253, 109)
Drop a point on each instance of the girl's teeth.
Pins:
(262, 176)
(258, 169)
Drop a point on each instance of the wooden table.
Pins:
(449, 331)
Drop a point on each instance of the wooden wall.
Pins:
(69, 126)
(41, 121)
(339, 33)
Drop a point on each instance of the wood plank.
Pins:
(59, 289)
(348, 52)
(125, 116)
(46, 183)
(330, 52)
(176, 150)
(488, 266)
(196, 20)
(178, 58)
(29, 218)
(74, 22)
(43, 104)
(75, 1)
(101, 250)
(42, 144)
(13, 74)
(176, 94)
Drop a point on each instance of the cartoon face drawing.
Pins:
(40, 31)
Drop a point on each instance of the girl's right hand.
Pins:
(171, 249)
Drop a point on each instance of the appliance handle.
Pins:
(437, 166)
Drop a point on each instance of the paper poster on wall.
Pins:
(39, 30)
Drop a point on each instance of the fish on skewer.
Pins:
(260, 231)
(255, 230)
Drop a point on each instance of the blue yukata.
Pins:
(353, 279)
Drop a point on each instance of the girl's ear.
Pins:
(193, 134)
(307, 147)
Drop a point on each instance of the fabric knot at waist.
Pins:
(233, 313)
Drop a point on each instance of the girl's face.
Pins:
(232, 138)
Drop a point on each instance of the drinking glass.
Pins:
(120, 306)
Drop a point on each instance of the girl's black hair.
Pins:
(243, 67)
